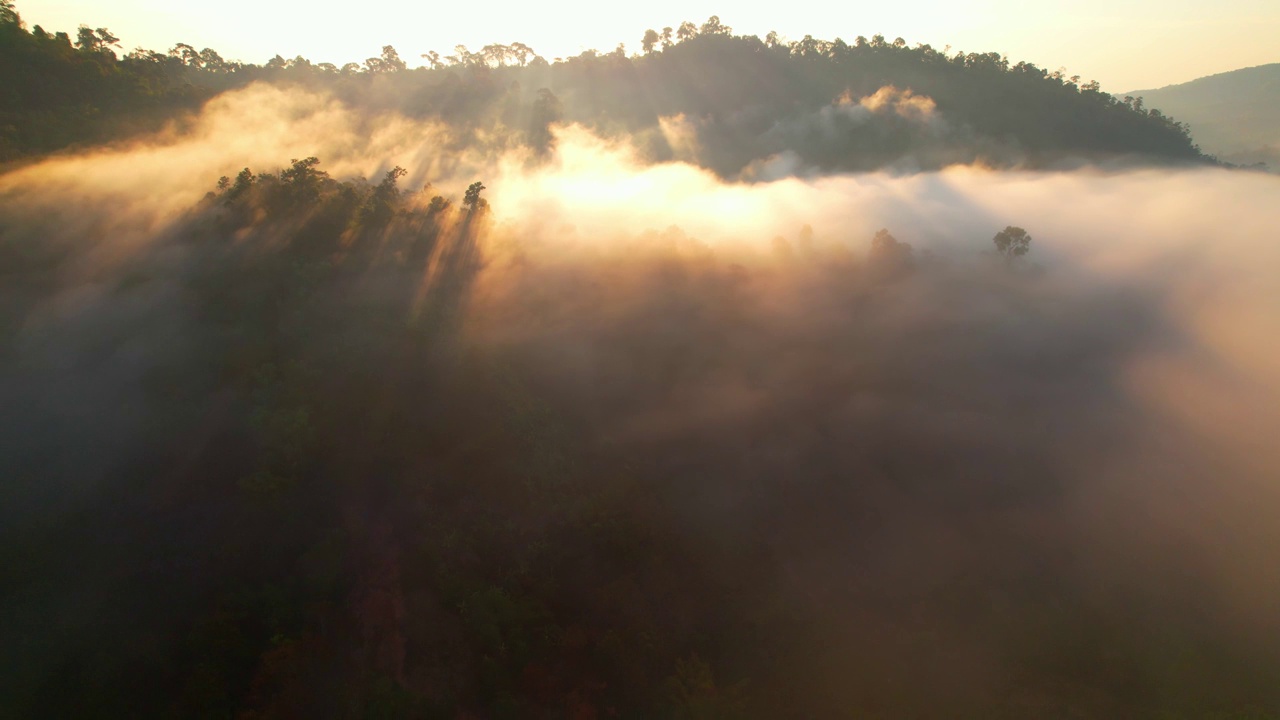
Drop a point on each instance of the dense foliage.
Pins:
(744, 99)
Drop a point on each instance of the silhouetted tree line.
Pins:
(57, 91)
(746, 98)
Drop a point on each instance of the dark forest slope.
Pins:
(739, 100)
(325, 450)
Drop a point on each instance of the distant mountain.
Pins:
(1234, 115)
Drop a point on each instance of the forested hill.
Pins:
(1235, 115)
(702, 94)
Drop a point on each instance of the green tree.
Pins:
(100, 40)
(186, 54)
(211, 60)
(9, 14)
(382, 202)
(471, 200)
(302, 180)
(1012, 242)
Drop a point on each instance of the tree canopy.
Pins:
(1012, 242)
(769, 96)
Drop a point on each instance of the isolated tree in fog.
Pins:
(471, 200)
(1012, 242)
(883, 242)
(546, 111)
(887, 252)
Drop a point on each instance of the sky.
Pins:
(1124, 44)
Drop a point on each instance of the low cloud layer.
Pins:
(914, 455)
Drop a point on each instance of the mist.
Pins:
(695, 417)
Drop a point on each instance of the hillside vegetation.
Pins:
(739, 100)
(1234, 115)
(339, 452)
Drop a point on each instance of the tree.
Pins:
(381, 204)
(303, 179)
(686, 31)
(546, 111)
(465, 58)
(650, 40)
(388, 190)
(1012, 242)
(108, 41)
(520, 52)
(8, 14)
(86, 40)
(887, 252)
(666, 38)
(100, 40)
(808, 47)
(186, 54)
(471, 200)
(713, 26)
(211, 60)
(244, 181)
(495, 54)
(389, 61)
